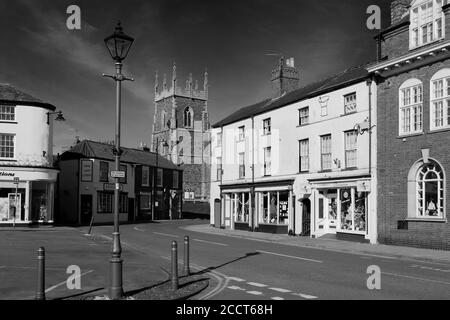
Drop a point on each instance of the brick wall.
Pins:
(395, 158)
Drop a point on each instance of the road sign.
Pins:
(118, 174)
(16, 180)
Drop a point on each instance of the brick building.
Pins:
(181, 133)
(413, 76)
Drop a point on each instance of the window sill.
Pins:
(7, 160)
(303, 125)
(10, 122)
(266, 134)
(303, 172)
(446, 129)
(410, 135)
(350, 169)
(325, 171)
(437, 220)
(348, 114)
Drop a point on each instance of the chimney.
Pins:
(285, 78)
(399, 8)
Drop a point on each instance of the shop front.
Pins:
(27, 195)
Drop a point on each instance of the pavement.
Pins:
(330, 244)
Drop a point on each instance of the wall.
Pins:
(67, 204)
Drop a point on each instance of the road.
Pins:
(245, 269)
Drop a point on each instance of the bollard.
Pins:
(40, 291)
(174, 266)
(187, 272)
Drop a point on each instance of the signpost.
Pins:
(16, 182)
(118, 174)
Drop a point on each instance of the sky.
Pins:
(231, 39)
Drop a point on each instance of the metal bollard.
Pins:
(174, 266)
(187, 271)
(40, 291)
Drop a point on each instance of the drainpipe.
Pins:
(252, 189)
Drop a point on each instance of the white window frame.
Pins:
(350, 104)
(304, 155)
(326, 150)
(351, 147)
(13, 146)
(241, 165)
(440, 100)
(4, 113)
(411, 109)
(427, 22)
(267, 161)
(303, 116)
(420, 187)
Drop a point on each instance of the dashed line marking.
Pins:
(64, 282)
(305, 296)
(236, 288)
(277, 298)
(256, 284)
(166, 234)
(416, 278)
(287, 256)
(255, 293)
(280, 290)
(235, 279)
(210, 242)
(430, 268)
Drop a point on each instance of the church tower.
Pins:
(181, 133)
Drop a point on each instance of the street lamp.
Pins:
(118, 45)
(59, 116)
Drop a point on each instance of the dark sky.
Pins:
(230, 38)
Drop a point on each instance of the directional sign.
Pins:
(16, 180)
(118, 174)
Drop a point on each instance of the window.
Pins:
(188, 117)
(123, 168)
(176, 184)
(274, 207)
(353, 206)
(326, 155)
(7, 146)
(159, 177)
(219, 139)
(123, 203)
(241, 165)
(145, 176)
(242, 203)
(350, 103)
(7, 113)
(104, 171)
(267, 161)
(411, 107)
(303, 116)
(304, 155)
(267, 129)
(105, 202)
(426, 22)
(163, 120)
(440, 100)
(430, 191)
(219, 169)
(145, 201)
(242, 133)
(351, 149)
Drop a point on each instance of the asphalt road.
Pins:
(245, 269)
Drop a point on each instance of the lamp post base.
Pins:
(115, 288)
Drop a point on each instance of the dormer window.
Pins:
(427, 21)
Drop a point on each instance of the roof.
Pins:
(98, 150)
(10, 94)
(344, 78)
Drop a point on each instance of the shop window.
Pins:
(411, 107)
(440, 100)
(104, 171)
(242, 205)
(123, 203)
(274, 208)
(7, 113)
(145, 201)
(430, 191)
(7, 146)
(145, 176)
(353, 210)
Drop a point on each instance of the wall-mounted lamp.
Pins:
(59, 116)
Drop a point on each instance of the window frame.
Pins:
(426, 27)
(301, 117)
(12, 114)
(354, 103)
(109, 200)
(347, 149)
(241, 159)
(267, 126)
(13, 141)
(219, 170)
(188, 117)
(409, 105)
(145, 194)
(100, 172)
(143, 169)
(307, 156)
(241, 133)
(441, 201)
(443, 98)
(159, 174)
(323, 154)
(175, 180)
(267, 161)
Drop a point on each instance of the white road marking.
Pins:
(210, 242)
(305, 296)
(235, 279)
(291, 257)
(277, 298)
(236, 288)
(256, 284)
(416, 278)
(166, 234)
(280, 290)
(64, 282)
(255, 293)
(137, 229)
(430, 268)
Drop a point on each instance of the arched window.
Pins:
(188, 117)
(430, 191)
(163, 120)
(411, 107)
(427, 22)
(440, 100)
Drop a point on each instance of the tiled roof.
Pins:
(98, 150)
(8, 93)
(334, 82)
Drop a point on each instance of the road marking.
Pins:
(255, 293)
(210, 242)
(287, 256)
(166, 234)
(137, 229)
(235, 279)
(430, 268)
(256, 284)
(305, 296)
(280, 290)
(64, 282)
(277, 298)
(415, 278)
(236, 288)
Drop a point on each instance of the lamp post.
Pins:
(118, 45)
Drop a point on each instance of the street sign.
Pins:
(16, 180)
(111, 187)
(118, 174)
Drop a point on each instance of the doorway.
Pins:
(86, 209)
(306, 218)
(327, 218)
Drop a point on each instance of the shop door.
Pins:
(306, 218)
(86, 209)
(327, 211)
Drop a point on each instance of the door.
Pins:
(86, 209)
(217, 213)
(327, 211)
(306, 218)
